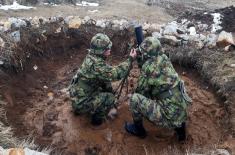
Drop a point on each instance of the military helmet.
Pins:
(151, 46)
(100, 43)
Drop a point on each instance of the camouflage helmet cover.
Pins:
(151, 46)
(99, 43)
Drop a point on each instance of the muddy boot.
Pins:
(96, 120)
(136, 129)
(181, 132)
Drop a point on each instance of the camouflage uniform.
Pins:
(159, 95)
(91, 91)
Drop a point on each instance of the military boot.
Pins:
(96, 120)
(136, 129)
(181, 132)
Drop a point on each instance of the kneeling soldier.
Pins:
(160, 95)
(91, 91)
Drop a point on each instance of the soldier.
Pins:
(160, 94)
(91, 90)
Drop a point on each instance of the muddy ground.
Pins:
(40, 105)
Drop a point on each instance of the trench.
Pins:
(38, 105)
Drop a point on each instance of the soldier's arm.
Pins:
(112, 73)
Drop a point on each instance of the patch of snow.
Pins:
(183, 21)
(84, 3)
(192, 31)
(217, 21)
(93, 11)
(35, 67)
(15, 6)
(51, 4)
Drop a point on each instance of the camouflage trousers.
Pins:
(98, 103)
(170, 112)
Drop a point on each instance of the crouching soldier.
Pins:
(90, 90)
(160, 95)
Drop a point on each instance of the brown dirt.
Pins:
(46, 113)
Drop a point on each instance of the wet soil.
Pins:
(39, 105)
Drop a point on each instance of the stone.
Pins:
(220, 152)
(7, 26)
(15, 36)
(112, 113)
(157, 35)
(211, 40)
(171, 29)
(225, 39)
(75, 22)
(86, 19)
(155, 27)
(16, 23)
(192, 31)
(2, 42)
(171, 40)
(199, 44)
(202, 27)
(101, 23)
(184, 37)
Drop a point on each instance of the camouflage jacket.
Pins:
(157, 75)
(95, 75)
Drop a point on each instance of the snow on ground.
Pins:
(84, 3)
(217, 21)
(15, 6)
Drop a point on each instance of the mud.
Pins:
(39, 106)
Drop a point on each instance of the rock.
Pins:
(35, 21)
(146, 26)
(74, 22)
(211, 40)
(7, 26)
(157, 35)
(101, 23)
(16, 23)
(184, 37)
(32, 152)
(229, 48)
(202, 27)
(199, 44)
(171, 40)
(171, 29)
(232, 65)
(155, 27)
(2, 42)
(19, 151)
(112, 113)
(86, 19)
(15, 36)
(225, 39)
(192, 31)
(220, 152)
